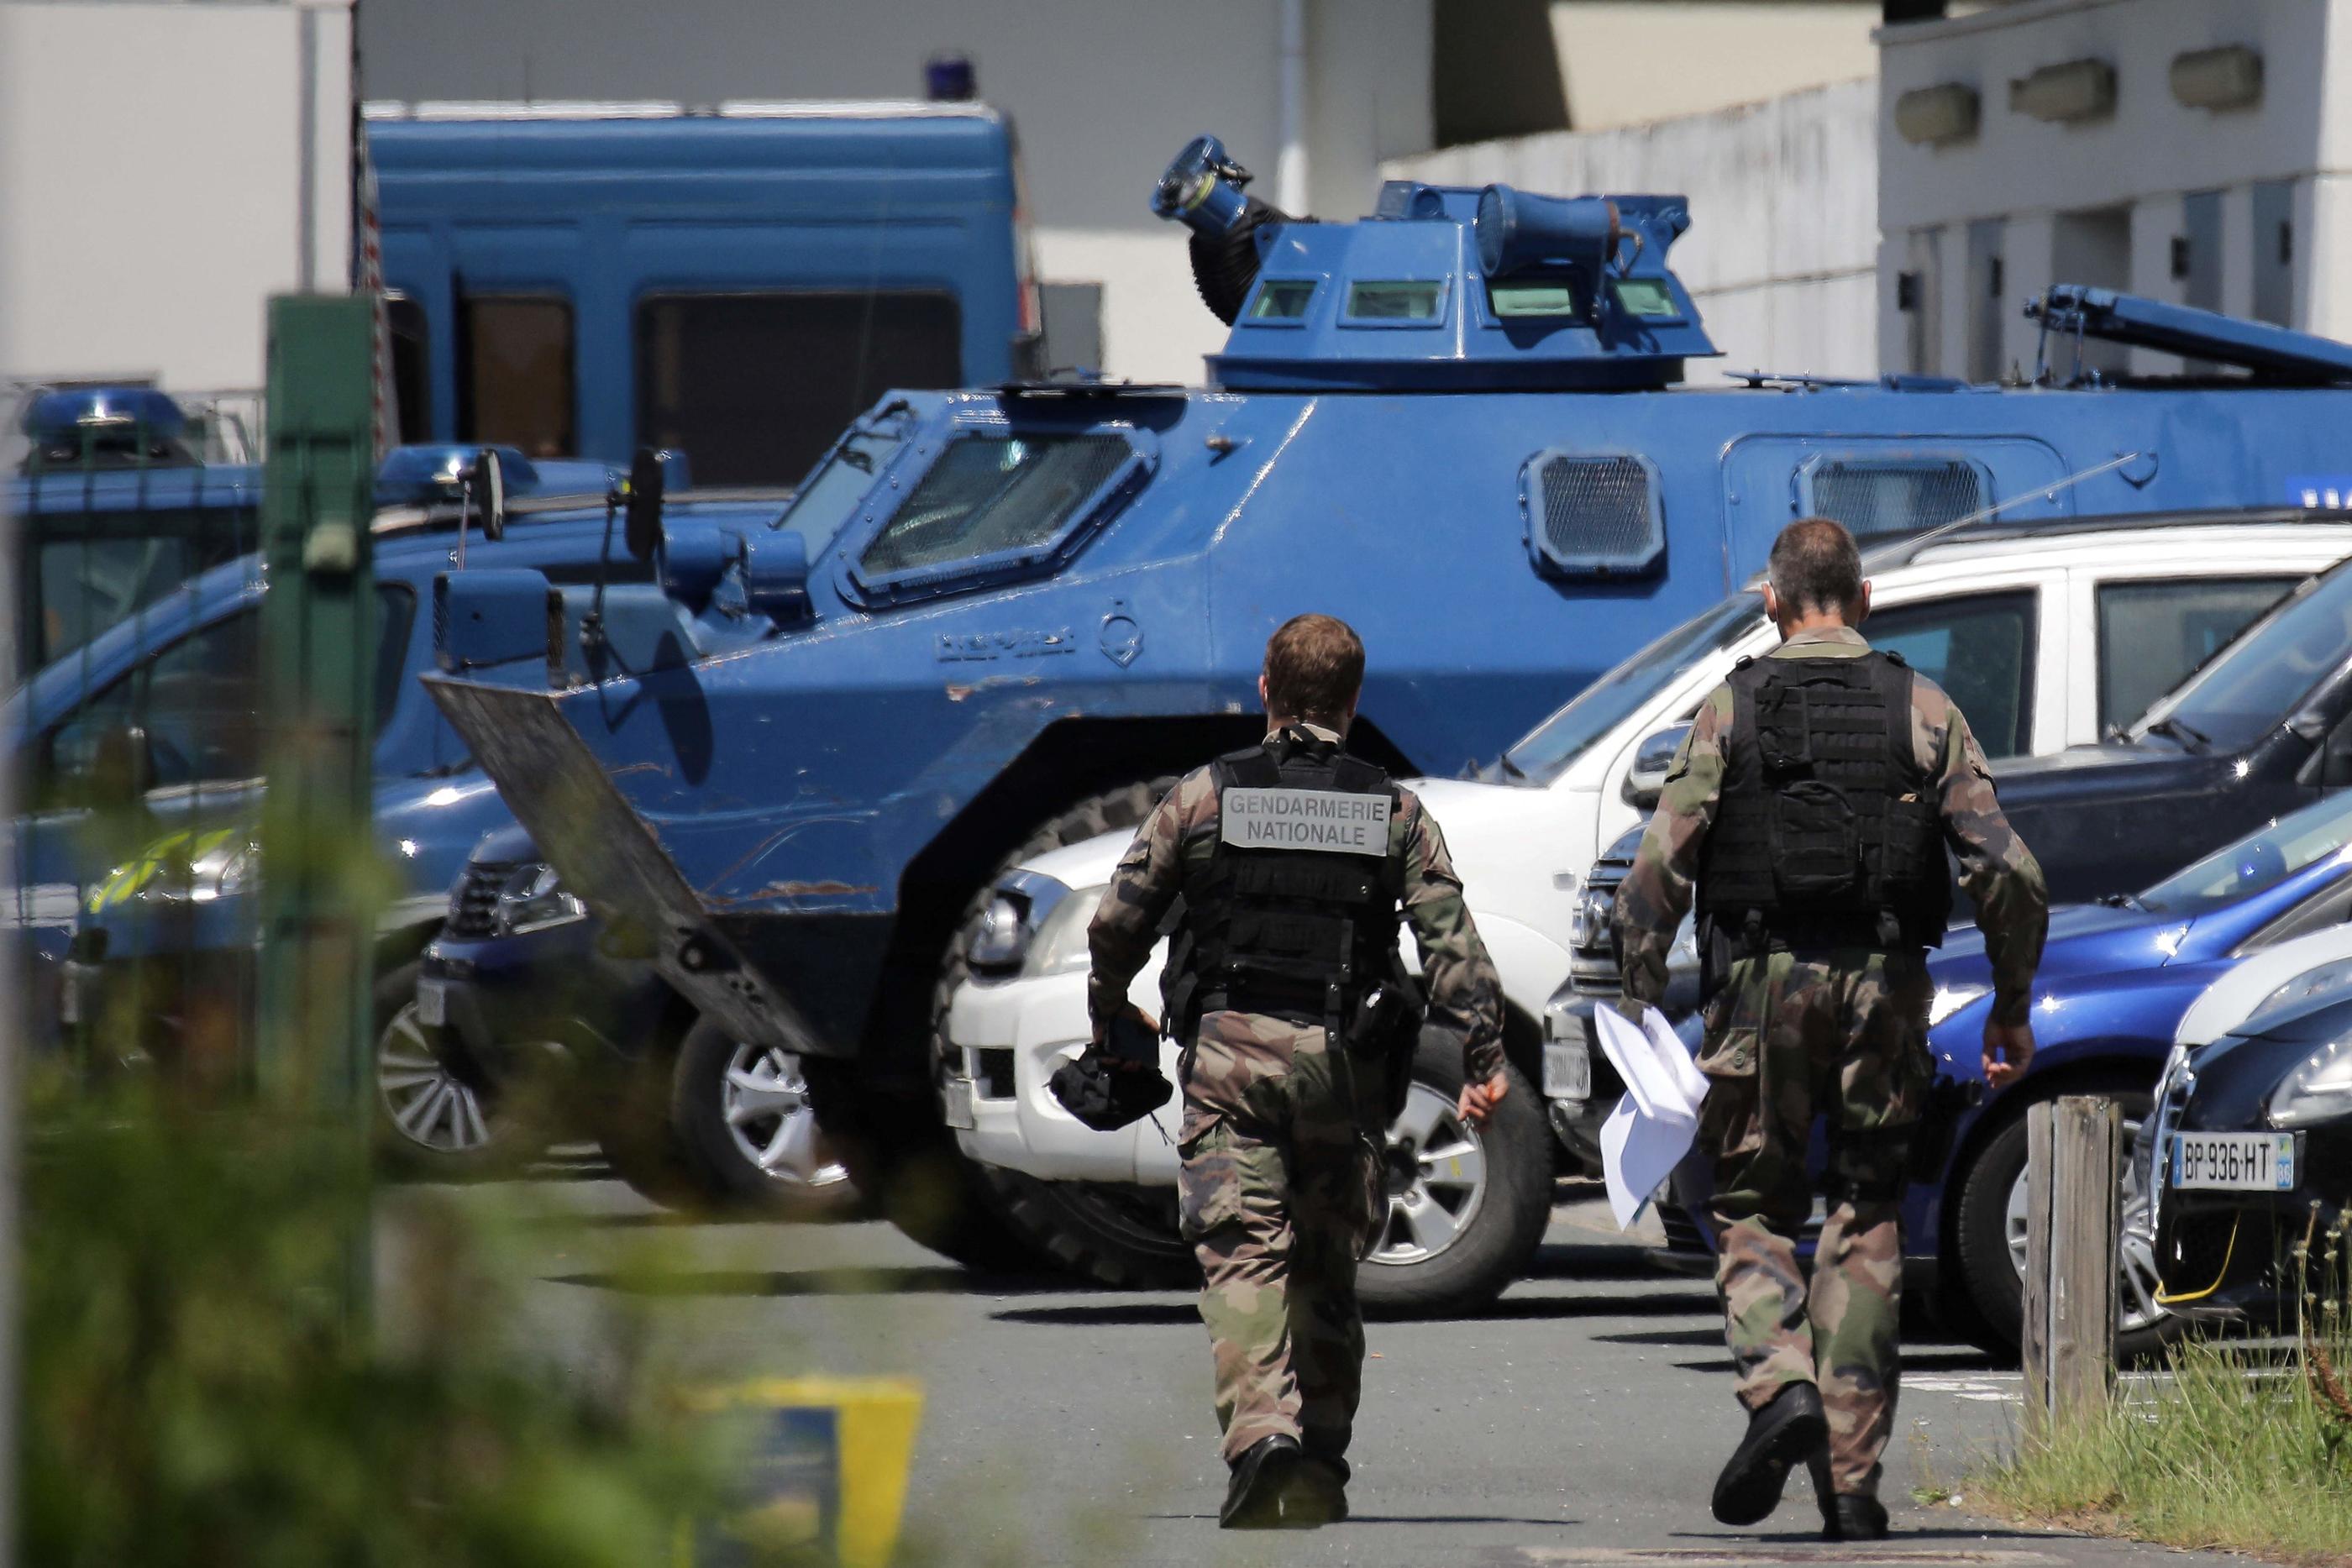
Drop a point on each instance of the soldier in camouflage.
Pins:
(1821, 1011)
(1281, 1185)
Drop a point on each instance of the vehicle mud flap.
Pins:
(609, 856)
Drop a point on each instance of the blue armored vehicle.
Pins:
(999, 619)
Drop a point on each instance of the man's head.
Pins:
(1814, 577)
(1314, 673)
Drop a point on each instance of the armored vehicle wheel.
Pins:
(748, 1134)
(900, 1153)
(1115, 1234)
(431, 1123)
(1987, 1239)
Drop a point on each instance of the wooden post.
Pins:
(2074, 1197)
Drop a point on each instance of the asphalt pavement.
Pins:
(1581, 1421)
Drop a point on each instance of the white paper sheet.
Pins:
(1652, 1128)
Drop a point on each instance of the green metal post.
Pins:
(320, 885)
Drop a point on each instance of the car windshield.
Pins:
(2254, 684)
(2257, 861)
(1552, 746)
(840, 482)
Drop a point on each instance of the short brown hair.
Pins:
(1313, 668)
(1815, 565)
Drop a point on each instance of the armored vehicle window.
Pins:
(1878, 496)
(1397, 301)
(1594, 514)
(1519, 297)
(832, 493)
(514, 373)
(991, 494)
(754, 387)
(1282, 300)
(2151, 634)
(1646, 296)
(1552, 746)
(1981, 651)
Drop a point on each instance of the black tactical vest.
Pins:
(1297, 915)
(1828, 831)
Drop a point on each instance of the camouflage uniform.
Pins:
(1840, 1033)
(1282, 1183)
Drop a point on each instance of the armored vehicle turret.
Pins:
(998, 619)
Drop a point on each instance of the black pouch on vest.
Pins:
(1387, 1030)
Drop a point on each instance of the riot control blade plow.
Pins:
(559, 791)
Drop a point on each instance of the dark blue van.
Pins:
(738, 282)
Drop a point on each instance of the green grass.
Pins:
(2239, 1447)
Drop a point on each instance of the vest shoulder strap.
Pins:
(1252, 767)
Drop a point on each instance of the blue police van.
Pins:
(735, 282)
(1009, 613)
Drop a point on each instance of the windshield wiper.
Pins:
(1511, 768)
(2181, 730)
(2120, 901)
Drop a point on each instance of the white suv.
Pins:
(2047, 636)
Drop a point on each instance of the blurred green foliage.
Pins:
(200, 1390)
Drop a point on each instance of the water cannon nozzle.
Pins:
(1203, 188)
(1521, 232)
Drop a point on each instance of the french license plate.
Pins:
(955, 1103)
(432, 1003)
(1568, 1068)
(2235, 1162)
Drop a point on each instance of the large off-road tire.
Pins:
(1468, 1205)
(748, 1134)
(1466, 1208)
(1113, 1234)
(1988, 1237)
(927, 1188)
(430, 1123)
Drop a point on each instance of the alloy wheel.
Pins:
(765, 1099)
(2136, 1275)
(1436, 1176)
(429, 1105)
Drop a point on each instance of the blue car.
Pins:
(140, 757)
(2115, 980)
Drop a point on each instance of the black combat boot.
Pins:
(1790, 1430)
(1317, 1494)
(1852, 1518)
(1261, 1476)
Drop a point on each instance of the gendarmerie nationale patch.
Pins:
(1304, 820)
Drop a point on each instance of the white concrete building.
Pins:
(2182, 149)
(165, 168)
(1782, 251)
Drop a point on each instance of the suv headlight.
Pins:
(1059, 947)
(533, 899)
(2318, 1091)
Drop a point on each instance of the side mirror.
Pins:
(647, 482)
(1646, 781)
(490, 485)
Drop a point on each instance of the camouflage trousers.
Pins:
(1840, 1035)
(1280, 1182)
